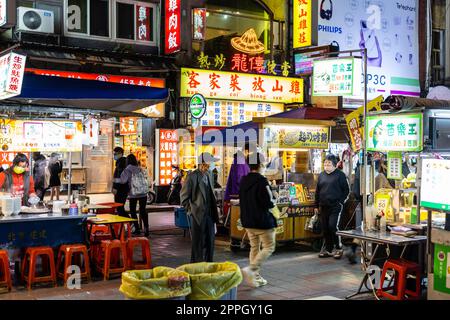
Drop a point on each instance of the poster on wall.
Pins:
(43, 136)
(387, 29)
(435, 174)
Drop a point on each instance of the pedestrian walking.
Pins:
(120, 190)
(331, 193)
(197, 197)
(138, 187)
(256, 200)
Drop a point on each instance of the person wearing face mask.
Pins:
(255, 200)
(331, 193)
(197, 197)
(119, 190)
(17, 179)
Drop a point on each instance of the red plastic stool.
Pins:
(402, 269)
(105, 263)
(5, 276)
(145, 249)
(67, 253)
(29, 264)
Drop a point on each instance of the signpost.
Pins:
(12, 68)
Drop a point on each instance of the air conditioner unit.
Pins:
(35, 20)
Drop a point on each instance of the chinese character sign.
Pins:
(442, 268)
(394, 133)
(48, 136)
(142, 23)
(337, 77)
(173, 26)
(239, 86)
(199, 23)
(12, 68)
(300, 136)
(3, 14)
(302, 25)
(355, 122)
(394, 160)
(128, 126)
(168, 155)
(225, 113)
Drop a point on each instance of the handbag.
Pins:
(275, 212)
(314, 224)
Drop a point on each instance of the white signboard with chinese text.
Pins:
(337, 77)
(394, 133)
(394, 165)
(434, 191)
(12, 68)
(230, 113)
(239, 86)
(44, 136)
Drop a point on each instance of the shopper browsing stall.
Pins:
(256, 200)
(120, 191)
(17, 179)
(40, 165)
(138, 187)
(331, 193)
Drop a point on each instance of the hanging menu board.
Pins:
(43, 136)
(435, 176)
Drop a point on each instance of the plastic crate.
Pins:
(181, 218)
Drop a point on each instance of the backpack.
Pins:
(139, 183)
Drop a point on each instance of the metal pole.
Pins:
(69, 186)
(364, 175)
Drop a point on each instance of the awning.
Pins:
(247, 128)
(87, 94)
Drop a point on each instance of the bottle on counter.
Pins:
(73, 209)
(383, 222)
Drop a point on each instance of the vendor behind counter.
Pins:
(17, 179)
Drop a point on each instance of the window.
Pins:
(99, 17)
(120, 20)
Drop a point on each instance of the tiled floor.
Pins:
(292, 272)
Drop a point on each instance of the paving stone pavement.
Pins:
(293, 272)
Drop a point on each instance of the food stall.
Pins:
(412, 210)
(300, 145)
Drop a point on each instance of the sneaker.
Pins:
(338, 253)
(249, 277)
(260, 281)
(324, 253)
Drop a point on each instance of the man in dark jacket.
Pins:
(256, 200)
(331, 193)
(197, 197)
(120, 191)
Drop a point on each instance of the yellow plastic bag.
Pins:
(156, 283)
(210, 281)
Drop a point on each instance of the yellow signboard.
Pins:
(44, 136)
(222, 85)
(302, 23)
(297, 137)
(355, 123)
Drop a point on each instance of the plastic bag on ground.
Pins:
(156, 283)
(210, 281)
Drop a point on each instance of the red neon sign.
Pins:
(173, 26)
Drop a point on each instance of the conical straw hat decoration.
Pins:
(248, 43)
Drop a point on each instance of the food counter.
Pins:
(49, 229)
(291, 225)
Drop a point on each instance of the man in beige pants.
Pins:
(255, 202)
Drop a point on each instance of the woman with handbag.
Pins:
(256, 203)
